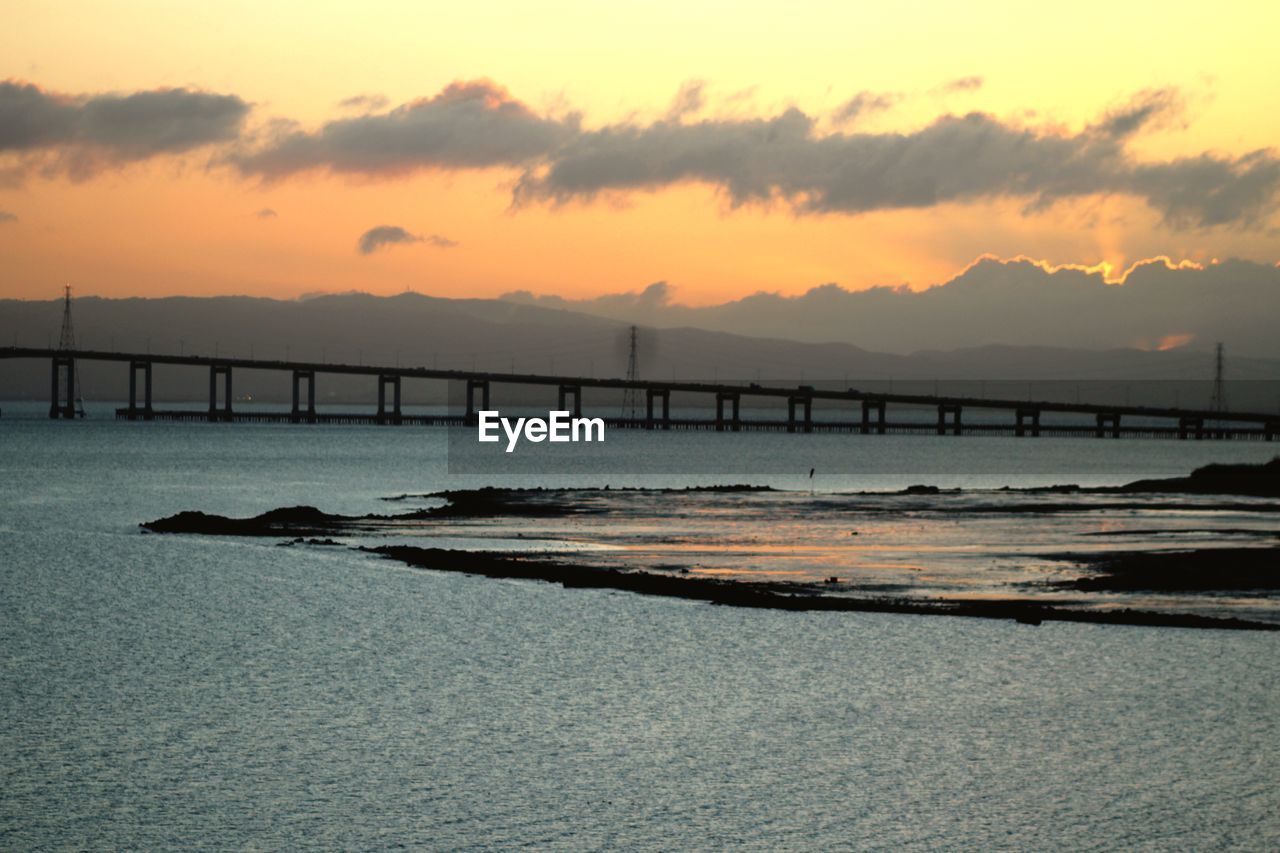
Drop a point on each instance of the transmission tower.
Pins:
(631, 397)
(1218, 402)
(67, 343)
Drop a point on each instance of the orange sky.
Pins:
(185, 223)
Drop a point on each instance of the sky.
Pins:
(578, 149)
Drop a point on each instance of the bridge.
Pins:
(870, 409)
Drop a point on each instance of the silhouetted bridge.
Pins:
(1025, 416)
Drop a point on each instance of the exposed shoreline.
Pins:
(777, 596)
(1195, 573)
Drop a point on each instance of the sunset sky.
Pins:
(579, 148)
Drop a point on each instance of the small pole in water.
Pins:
(811, 470)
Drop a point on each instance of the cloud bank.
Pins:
(1017, 302)
(469, 125)
(791, 158)
(785, 158)
(80, 134)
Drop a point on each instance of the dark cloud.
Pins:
(1015, 302)
(265, 213)
(392, 235)
(469, 125)
(954, 159)
(364, 102)
(865, 103)
(789, 158)
(6, 216)
(86, 132)
(384, 235)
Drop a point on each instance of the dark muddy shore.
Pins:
(776, 596)
(1198, 570)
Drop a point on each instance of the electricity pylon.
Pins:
(1218, 402)
(631, 397)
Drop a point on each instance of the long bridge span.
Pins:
(869, 408)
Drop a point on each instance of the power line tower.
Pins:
(67, 343)
(1218, 402)
(631, 397)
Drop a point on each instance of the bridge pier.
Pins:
(295, 415)
(1107, 421)
(1270, 430)
(1187, 425)
(649, 395)
(383, 381)
(147, 413)
(949, 416)
(57, 407)
(798, 400)
(216, 370)
(1028, 419)
(869, 406)
(563, 395)
(473, 385)
(728, 397)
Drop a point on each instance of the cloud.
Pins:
(364, 102)
(80, 134)
(469, 125)
(955, 159)
(6, 216)
(1146, 109)
(393, 235)
(791, 158)
(864, 103)
(1018, 301)
(688, 100)
(382, 236)
(962, 84)
(265, 213)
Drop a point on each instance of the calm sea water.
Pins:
(165, 692)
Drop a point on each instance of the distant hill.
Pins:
(502, 335)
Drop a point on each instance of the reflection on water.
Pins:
(971, 545)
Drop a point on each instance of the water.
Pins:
(165, 692)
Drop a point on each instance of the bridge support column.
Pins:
(1028, 419)
(562, 398)
(949, 416)
(1191, 425)
(473, 385)
(1270, 430)
(216, 370)
(295, 415)
(1108, 421)
(792, 403)
(728, 397)
(146, 412)
(869, 406)
(59, 408)
(394, 381)
(649, 395)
